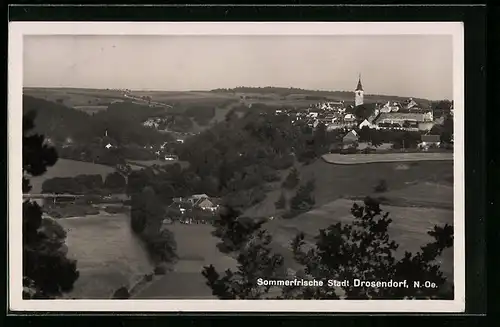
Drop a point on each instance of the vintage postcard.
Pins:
(278, 167)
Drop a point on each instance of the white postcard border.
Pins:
(15, 81)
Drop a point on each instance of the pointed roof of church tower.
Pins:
(359, 87)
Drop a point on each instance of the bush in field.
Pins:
(115, 182)
(121, 293)
(292, 179)
(304, 198)
(381, 186)
(281, 203)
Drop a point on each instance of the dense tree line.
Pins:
(283, 91)
(47, 272)
(361, 250)
(399, 139)
(86, 184)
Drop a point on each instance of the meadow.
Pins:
(409, 227)
(108, 254)
(196, 248)
(419, 196)
(338, 181)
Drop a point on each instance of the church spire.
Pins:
(359, 87)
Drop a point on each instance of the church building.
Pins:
(358, 93)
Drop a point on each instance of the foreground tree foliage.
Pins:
(254, 256)
(47, 272)
(364, 250)
(361, 250)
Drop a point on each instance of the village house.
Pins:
(334, 126)
(350, 139)
(170, 157)
(367, 123)
(429, 141)
(199, 201)
(404, 120)
(349, 119)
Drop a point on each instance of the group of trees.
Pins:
(47, 272)
(122, 121)
(445, 131)
(146, 220)
(303, 200)
(114, 182)
(399, 139)
(362, 249)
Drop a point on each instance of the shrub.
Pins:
(381, 186)
(160, 270)
(121, 293)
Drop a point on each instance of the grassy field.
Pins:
(356, 159)
(409, 227)
(196, 248)
(419, 196)
(69, 168)
(109, 255)
(336, 181)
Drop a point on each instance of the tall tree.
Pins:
(47, 272)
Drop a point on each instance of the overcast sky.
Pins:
(402, 65)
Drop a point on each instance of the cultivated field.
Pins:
(355, 159)
(69, 168)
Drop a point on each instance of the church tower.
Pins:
(358, 93)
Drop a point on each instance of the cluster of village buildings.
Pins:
(195, 209)
(407, 115)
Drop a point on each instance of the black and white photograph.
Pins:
(308, 167)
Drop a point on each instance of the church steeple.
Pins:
(358, 93)
(359, 87)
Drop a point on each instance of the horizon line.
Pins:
(232, 88)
